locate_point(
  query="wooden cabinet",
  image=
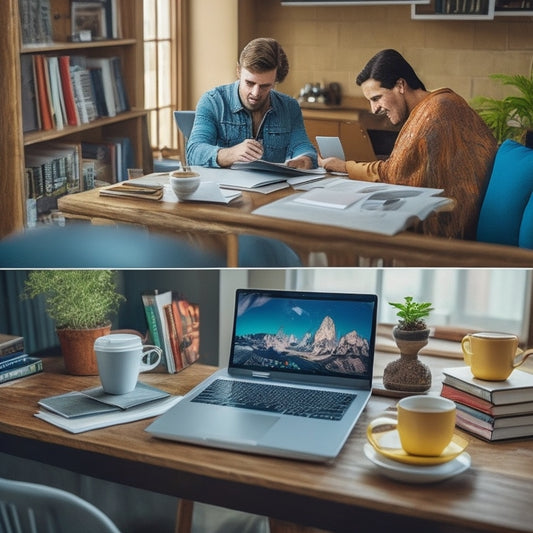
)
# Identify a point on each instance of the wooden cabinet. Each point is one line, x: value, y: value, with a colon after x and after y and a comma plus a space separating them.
x: 354, y: 127
x: 14, y: 142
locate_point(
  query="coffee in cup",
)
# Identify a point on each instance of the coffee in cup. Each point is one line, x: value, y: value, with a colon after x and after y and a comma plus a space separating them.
x: 426, y: 424
x: 492, y: 356
x: 120, y: 358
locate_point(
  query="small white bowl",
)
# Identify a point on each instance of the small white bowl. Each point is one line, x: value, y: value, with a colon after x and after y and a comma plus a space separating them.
x: 184, y: 183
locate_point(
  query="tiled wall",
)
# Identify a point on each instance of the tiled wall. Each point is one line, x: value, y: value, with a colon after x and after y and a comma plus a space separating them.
x: 333, y: 44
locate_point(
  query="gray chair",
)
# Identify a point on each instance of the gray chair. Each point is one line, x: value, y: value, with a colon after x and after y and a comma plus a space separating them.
x: 184, y: 121
x: 31, y: 508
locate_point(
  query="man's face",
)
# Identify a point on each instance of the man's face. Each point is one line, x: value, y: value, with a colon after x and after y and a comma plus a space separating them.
x: 255, y: 87
x: 390, y: 102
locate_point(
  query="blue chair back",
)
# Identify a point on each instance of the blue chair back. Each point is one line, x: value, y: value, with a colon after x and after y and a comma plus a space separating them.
x: 506, y: 215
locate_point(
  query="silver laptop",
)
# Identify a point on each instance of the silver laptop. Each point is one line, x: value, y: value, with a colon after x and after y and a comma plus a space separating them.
x: 330, y: 147
x: 299, y: 376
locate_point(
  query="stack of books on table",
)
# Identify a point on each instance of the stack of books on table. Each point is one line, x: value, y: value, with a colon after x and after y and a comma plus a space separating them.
x: 14, y: 361
x: 491, y: 410
x: 89, y: 409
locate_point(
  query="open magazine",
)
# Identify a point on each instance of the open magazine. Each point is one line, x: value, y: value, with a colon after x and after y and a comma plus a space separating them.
x: 278, y: 168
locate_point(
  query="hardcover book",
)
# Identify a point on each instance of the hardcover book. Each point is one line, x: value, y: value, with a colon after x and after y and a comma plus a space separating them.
x: 484, y: 406
x: 33, y: 365
x: 10, y: 344
x: 518, y: 387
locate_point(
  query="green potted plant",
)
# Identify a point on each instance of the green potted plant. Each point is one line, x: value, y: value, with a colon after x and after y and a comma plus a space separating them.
x: 411, y: 334
x: 510, y: 117
x: 81, y: 303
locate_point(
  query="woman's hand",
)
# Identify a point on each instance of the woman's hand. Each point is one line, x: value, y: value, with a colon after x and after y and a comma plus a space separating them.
x: 332, y: 164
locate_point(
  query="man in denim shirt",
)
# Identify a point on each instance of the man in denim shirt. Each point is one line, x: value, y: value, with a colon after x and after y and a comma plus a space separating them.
x: 248, y: 120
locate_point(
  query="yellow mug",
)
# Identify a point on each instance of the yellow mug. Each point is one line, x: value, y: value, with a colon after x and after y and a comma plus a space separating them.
x: 492, y: 356
x: 425, y: 425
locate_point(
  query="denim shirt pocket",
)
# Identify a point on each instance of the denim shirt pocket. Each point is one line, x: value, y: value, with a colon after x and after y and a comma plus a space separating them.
x: 232, y: 133
x: 276, y: 141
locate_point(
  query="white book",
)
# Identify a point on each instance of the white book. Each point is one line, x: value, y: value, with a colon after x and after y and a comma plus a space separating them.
x: 108, y: 80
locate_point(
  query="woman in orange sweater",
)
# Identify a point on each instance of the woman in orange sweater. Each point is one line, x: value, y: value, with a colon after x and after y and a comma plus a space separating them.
x: 443, y: 143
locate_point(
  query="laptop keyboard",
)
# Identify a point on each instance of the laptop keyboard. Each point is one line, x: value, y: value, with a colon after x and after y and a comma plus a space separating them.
x: 327, y: 405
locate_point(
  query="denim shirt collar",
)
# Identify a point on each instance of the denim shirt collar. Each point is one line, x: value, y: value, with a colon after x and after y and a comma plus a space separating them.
x: 236, y: 104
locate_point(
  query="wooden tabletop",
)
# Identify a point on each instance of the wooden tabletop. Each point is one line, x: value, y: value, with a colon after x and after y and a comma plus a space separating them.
x: 493, y: 495
x: 344, y: 247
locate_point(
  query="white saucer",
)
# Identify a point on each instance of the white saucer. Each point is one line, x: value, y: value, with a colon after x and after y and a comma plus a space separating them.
x: 415, y: 473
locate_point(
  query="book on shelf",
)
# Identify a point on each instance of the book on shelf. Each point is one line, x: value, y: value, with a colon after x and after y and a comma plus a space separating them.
x: 11, y: 344
x: 174, y: 323
x: 485, y: 406
x: 41, y: 80
x: 90, y: 409
x: 73, y: 117
x: 32, y: 365
x: 518, y: 387
x: 36, y: 21
x: 103, y: 154
x: 30, y: 110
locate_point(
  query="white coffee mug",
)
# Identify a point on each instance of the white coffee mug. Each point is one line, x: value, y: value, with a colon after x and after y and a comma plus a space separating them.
x: 120, y: 358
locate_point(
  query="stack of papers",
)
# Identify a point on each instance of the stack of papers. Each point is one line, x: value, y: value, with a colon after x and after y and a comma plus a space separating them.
x: 358, y: 205
x: 89, y: 409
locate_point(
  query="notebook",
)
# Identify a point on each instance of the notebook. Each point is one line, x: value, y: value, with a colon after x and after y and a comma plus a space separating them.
x: 289, y: 350
x: 330, y: 147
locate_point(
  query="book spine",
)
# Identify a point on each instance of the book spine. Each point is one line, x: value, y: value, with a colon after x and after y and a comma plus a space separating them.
x: 466, y: 399
x: 13, y: 362
x: 42, y: 92
x: 151, y: 321
x: 190, y: 320
x: 174, y: 336
x: 27, y: 370
x: 73, y: 118
x: 470, y: 388
x: 14, y: 347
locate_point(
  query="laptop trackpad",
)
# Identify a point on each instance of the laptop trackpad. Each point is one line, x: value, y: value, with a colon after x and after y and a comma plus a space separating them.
x: 238, y: 426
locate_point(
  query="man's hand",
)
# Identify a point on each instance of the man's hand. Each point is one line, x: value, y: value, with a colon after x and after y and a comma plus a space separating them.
x: 248, y: 150
x: 303, y: 161
x: 332, y: 164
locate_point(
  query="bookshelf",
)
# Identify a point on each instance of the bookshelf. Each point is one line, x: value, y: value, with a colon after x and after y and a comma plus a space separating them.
x: 471, y: 9
x: 14, y: 144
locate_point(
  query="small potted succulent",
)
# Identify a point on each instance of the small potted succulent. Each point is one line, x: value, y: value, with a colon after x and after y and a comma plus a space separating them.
x: 81, y: 302
x: 411, y: 334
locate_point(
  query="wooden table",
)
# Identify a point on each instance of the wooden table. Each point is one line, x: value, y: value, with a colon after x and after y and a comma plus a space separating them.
x: 344, y: 247
x: 347, y: 496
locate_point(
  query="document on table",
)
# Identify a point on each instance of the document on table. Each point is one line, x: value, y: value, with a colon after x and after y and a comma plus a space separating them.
x: 374, y: 207
x: 277, y: 168
x: 208, y: 191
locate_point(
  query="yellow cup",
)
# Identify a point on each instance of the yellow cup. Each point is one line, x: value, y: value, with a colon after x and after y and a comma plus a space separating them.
x: 425, y: 424
x: 492, y: 356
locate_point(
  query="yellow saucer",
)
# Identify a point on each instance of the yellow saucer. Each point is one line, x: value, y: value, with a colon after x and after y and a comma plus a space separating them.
x: 387, y: 443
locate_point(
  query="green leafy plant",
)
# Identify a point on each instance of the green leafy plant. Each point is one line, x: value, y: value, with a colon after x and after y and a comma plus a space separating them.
x: 411, y: 315
x: 510, y: 117
x: 76, y: 299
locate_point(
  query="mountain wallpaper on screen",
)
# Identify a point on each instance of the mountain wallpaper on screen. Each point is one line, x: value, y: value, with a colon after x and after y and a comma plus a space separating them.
x: 317, y: 351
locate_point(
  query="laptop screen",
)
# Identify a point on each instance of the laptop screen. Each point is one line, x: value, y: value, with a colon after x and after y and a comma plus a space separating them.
x: 308, y: 334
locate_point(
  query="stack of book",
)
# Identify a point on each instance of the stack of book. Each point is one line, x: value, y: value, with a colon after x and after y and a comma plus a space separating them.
x: 89, y: 409
x: 491, y: 410
x: 174, y: 326
x: 14, y: 361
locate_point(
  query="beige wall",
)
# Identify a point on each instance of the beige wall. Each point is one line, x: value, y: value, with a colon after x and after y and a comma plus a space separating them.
x: 333, y: 44
x: 214, y: 45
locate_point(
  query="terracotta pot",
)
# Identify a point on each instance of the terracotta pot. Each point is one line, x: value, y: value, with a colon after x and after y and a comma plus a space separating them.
x: 77, y: 347
x: 408, y: 373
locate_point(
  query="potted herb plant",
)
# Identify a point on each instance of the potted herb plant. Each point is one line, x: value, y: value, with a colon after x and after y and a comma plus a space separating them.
x: 411, y: 334
x: 510, y: 117
x: 81, y: 302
